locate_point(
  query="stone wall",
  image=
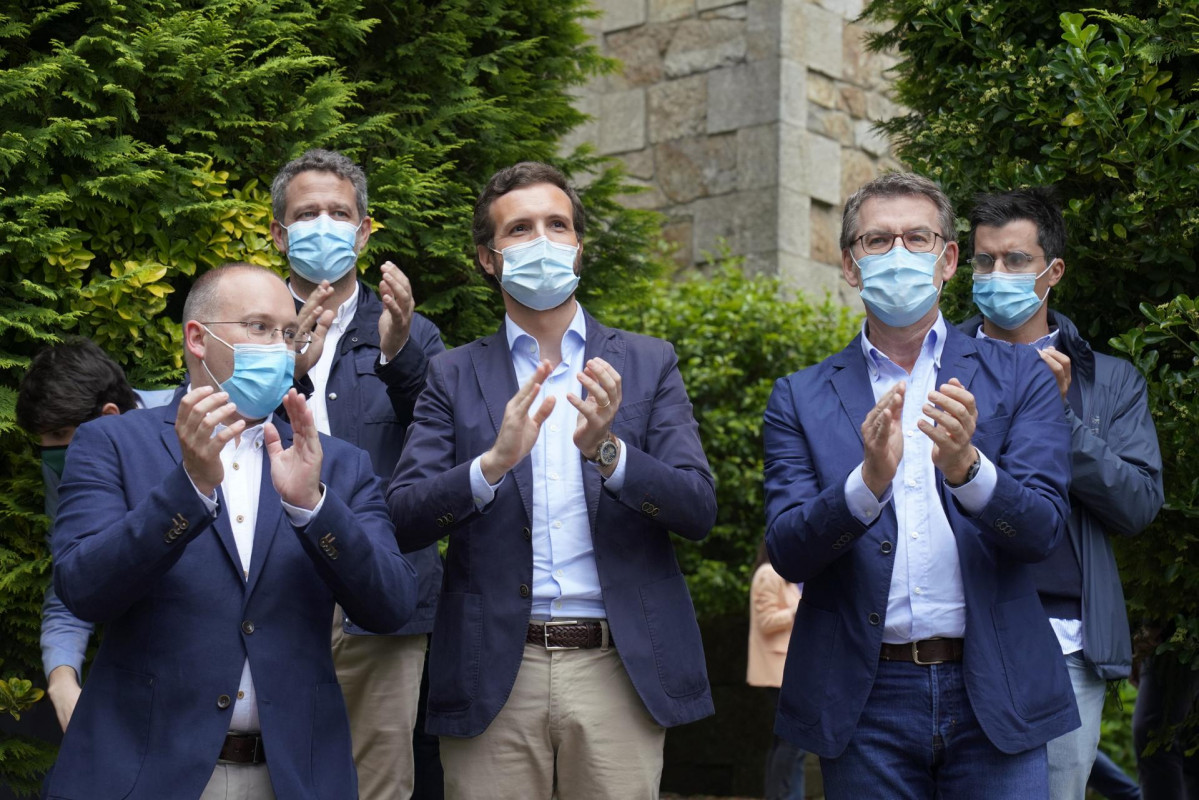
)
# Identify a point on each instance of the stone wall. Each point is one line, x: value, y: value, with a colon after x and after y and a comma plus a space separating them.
x: 744, y: 120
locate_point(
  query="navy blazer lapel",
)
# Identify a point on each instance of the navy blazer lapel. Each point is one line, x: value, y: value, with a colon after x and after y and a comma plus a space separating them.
x: 959, y: 358
x: 221, y: 523
x: 607, y: 344
x: 270, y: 511
x: 851, y: 381
x: 497, y: 385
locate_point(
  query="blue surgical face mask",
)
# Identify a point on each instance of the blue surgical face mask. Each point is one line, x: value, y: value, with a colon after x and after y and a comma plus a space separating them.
x: 1009, y: 300
x: 540, y: 274
x: 897, y: 286
x: 322, y: 249
x: 262, y: 374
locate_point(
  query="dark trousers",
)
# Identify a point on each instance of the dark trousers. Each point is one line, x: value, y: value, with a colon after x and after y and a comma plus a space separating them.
x: 1166, y: 694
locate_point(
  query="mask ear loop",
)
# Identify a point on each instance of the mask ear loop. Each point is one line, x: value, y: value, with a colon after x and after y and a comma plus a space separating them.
x: 204, y: 362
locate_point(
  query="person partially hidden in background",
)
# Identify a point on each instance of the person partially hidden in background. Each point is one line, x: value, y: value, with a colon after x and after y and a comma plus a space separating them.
x: 773, y: 602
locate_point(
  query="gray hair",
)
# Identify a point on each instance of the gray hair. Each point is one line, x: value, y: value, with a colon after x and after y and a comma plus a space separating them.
x: 317, y: 161
x: 896, y: 184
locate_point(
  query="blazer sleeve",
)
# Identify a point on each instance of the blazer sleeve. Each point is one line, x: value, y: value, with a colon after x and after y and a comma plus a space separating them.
x: 430, y: 491
x: 807, y: 526
x: 1026, y: 515
x: 108, y: 552
x: 352, y: 543
x: 1118, y: 477
x: 670, y: 475
x: 404, y: 375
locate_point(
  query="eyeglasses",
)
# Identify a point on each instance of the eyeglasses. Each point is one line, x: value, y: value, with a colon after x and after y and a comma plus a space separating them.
x: 918, y: 241
x: 1014, y: 261
x: 261, y: 333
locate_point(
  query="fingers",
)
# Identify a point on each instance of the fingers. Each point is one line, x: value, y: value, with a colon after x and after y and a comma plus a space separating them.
x: 544, y: 410
x: 602, y: 383
x: 395, y: 286
x: 887, y: 411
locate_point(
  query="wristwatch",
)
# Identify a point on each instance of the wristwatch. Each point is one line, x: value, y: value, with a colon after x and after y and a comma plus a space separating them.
x: 970, y: 473
x: 607, y: 453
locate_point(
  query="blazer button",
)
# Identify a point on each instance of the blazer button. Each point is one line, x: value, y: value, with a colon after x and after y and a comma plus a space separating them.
x: 528, y: 534
x: 874, y: 618
x: 886, y: 548
x: 524, y: 590
x: 332, y: 395
x: 223, y: 702
x: 247, y: 627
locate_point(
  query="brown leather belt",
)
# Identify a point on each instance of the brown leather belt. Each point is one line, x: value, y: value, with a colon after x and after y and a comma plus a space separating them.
x: 569, y: 634
x: 925, y: 651
x: 243, y: 748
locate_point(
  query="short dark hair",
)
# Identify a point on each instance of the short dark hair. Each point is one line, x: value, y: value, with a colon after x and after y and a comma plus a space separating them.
x: 318, y: 161
x: 897, y: 184
x: 1037, y: 205
x: 68, y: 384
x: 518, y: 176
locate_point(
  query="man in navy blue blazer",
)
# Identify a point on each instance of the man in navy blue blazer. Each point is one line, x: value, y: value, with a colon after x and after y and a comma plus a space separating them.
x: 212, y: 541
x: 910, y: 480
x: 558, y: 455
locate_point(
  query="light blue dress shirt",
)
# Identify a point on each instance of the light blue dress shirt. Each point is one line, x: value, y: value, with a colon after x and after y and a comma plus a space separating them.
x: 565, y: 580
x: 926, y: 598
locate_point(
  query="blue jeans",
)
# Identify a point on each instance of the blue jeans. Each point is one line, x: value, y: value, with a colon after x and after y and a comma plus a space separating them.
x: 918, y: 739
x: 1071, y: 755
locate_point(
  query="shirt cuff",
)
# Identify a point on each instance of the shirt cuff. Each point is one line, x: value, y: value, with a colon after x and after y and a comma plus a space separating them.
x: 481, y: 491
x: 383, y: 360
x: 862, y: 503
x: 301, y: 516
x: 974, y: 495
x: 210, y: 503
x: 615, y: 482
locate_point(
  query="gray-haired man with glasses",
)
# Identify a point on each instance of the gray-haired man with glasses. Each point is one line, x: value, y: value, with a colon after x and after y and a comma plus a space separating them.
x: 910, y: 478
x: 1019, y: 241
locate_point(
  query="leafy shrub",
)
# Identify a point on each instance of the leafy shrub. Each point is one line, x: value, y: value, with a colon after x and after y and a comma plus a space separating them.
x: 1012, y: 93
x: 734, y: 335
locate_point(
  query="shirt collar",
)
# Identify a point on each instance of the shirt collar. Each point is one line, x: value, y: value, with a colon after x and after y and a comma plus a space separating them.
x: 933, y: 346
x: 576, y: 330
x: 1048, y: 340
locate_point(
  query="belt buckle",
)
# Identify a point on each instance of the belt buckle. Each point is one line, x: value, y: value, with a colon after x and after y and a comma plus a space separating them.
x: 545, y: 633
x: 916, y: 657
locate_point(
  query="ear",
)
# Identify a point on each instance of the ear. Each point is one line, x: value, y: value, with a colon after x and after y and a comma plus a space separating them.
x: 950, y: 267
x: 849, y: 270
x: 109, y: 409
x: 489, y: 260
x: 364, y: 233
x: 194, y: 341
x: 579, y: 260
x: 1057, y: 270
x: 279, y: 234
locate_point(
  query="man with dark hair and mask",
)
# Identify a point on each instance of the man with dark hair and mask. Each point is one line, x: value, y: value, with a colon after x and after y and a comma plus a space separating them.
x: 362, y: 376
x: 558, y: 455
x: 910, y: 480
x: 212, y: 540
x: 67, y: 385
x: 1019, y: 242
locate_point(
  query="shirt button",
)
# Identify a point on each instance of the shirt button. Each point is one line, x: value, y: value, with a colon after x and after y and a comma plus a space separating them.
x: 236, y: 465
x: 911, y: 483
x: 559, y: 573
x: 332, y: 395
x: 918, y: 590
x: 240, y: 518
x: 911, y: 434
x: 553, y: 476
x: 241, y: 695
x: 915, y: 535
x: 557, y: 604
x: 554, y: 428
x: 557, y: 523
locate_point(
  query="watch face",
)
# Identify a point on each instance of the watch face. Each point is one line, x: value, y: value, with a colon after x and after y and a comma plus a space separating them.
x: 607, y: 454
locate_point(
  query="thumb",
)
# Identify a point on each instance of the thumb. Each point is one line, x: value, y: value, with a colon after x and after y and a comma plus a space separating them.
x: 270, y: 438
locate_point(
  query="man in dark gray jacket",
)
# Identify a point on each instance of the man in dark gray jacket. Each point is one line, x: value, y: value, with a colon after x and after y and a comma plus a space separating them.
x: 1019, y: 240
